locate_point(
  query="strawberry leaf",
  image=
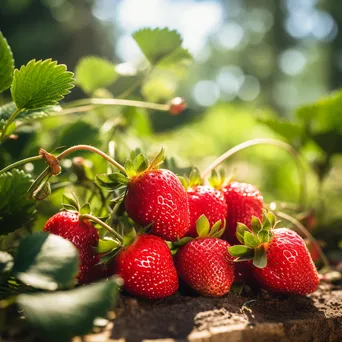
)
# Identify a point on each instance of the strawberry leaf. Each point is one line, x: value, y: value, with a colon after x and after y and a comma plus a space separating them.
x: 161, y: 45
x: 130, y: 169
x: 93, y: 72
x: 7, y: 110
x: 6, y: 64
x: 40, y: 83
x: 202, y: 226
x: 240, y: 231
x: 107, y: 245
x: 16, y: 210
x: 70, y: 201
x: 46, y: 261
x: 251, y: 240
x: 256, y: 225
x: 61, y: 315
x: 241, y: 251
x: 158, y: 159
x: 260, y: 257
x: 195, y: 177
x: 112, y: 180
x: 85, y: 209
x: 140, y: 163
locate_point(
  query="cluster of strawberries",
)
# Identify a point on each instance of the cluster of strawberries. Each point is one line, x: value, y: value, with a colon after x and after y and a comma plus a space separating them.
x: 206, y: 235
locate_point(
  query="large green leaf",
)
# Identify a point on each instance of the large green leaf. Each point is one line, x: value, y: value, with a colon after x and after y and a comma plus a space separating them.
x: 330, y: 142
x: 94, y: 72
x: 293, y: 132
x: 46, y: 261
x: 324, y: 115
x: 161, y: 45
x: 16, y: 210
x: 6, y: 64
x: 40, y: 84
x: 8, y: 109
x: 61, y: 315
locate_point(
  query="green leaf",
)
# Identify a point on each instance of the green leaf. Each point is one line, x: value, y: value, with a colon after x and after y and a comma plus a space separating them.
x: 183, y: 241
x: 184, y: 181
x: 6, y: 64
x: 260, y: 257
x: 39, y: 84
x: 159, y: 159
x: 61, y: 315
x: 6, y: 262
x: 161, y: 45
x: 272, y: 218
x: 112, y: 180
x: 8, y: 109
x: 195, y: 177
x: 93, y: 72
x: 330, y: 142
x: 107, y: 245
x: 85, y: 209
x: 70, y: 200
x: 129, y: 237
x: 240, y: 231
x: 16, y: 210
x: 46, y: 261
x: 202, y: 226
x: 215, y: 228
x: 130, y: 169
x: 264, y: 235
x: 251, y: 240
x: 256, y: 224
x: 293, y: 132
x: 241, y: 251
x: 140, y: 163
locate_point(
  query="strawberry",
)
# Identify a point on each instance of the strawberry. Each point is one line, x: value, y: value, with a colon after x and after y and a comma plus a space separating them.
x: 84, y: 236
x: 281, y: 261
x: 203, y: 200
x: 156, y: 196
x: 244, y: 201
x: 204, y: 263
x: 147, y: 268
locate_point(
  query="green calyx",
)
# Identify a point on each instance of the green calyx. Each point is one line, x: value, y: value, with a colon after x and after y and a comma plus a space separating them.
x: 218, y: 180
x: 256, y: 242
x: 203, y: 230
x: 134, y: 166
x: 71, y: 203
x: 194, y: 179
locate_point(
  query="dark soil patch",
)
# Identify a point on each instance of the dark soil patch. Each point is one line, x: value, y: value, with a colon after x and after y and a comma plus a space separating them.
x: 267, y: 317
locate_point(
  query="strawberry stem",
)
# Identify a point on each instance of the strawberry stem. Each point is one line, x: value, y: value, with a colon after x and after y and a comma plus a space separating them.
x: 307, y: 234
x: 118, y: 102
x: 47, y: 171
x: 265, y: 141
x: 102, y: 224
x: 20, y: 162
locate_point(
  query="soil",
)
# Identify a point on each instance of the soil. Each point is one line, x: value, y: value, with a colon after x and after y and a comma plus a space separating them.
x: 266, y: 317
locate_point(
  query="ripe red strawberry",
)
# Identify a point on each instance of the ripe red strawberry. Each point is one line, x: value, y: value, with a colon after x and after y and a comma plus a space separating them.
x: 205, y: 264
x: 147, y: 268
x: 158, y: 197
x: 205, y: 200
x: 290, y: 268
x: 84, y: 236
x: 281, y: 260
x: 244, y: 201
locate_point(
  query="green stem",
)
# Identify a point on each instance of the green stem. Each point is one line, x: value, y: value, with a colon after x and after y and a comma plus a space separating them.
x: 65, y: 153
x: 102, y: 224
x: 20, y: 162
x: 265, y: 141
x: 118, y: 102
x: 306, y: 233
x: 8, y: 123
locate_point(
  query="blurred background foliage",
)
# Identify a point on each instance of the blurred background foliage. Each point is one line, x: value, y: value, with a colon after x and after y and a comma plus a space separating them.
x: 254, y: 64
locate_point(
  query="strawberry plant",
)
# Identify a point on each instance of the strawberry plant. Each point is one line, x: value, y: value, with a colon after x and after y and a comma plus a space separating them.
x: 113, y: 218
